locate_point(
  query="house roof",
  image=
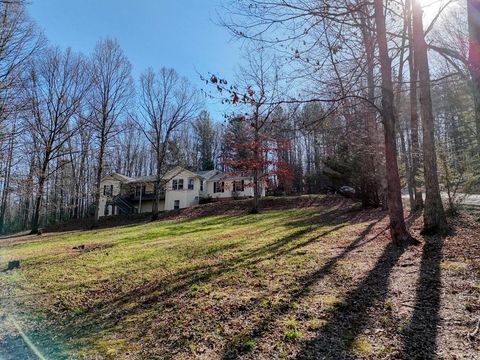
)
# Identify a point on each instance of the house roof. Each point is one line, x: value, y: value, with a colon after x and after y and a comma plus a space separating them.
x: 207, y: 175
x: 213, y: 175
x: 222, y: 176
x: 118, y: 177
x: 142, y: 179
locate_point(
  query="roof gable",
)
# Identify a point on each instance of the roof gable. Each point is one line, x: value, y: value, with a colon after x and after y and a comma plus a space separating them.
x: 117, y: 177
x: 176, y: 171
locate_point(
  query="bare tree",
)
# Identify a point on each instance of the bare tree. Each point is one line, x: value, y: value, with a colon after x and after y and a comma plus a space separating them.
x: 474, y: 59
x: 398, y: 229
x: 55, y: 89
x: 19, y: 41
x: 415, y: 148
x: 166, y: 102
x: 433, y: 215
x: 112, y: 90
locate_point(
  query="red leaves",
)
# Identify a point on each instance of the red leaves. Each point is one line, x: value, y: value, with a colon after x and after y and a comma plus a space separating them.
x: 235, y: 97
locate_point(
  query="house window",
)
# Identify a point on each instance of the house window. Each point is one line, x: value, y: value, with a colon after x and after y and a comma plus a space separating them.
x: 177, y: 184
x: 190, y: 184
x: 176, y: 204
x: 238, y: 185
x: 201, y: 185
x: 108, y: 190
x: 106, y: 209
x: 218, y: 187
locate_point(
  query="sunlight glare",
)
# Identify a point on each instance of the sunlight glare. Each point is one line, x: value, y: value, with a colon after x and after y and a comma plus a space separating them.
x: 431, y: 8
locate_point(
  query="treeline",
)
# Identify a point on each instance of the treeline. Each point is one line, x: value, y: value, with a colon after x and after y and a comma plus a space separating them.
x: 360, y: 94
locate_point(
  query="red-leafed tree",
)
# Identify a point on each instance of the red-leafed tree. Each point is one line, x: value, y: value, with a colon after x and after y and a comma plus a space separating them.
x: 251, y: 151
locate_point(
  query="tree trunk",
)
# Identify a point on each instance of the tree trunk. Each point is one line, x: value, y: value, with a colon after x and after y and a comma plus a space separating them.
x: 404, y: 155
x: 415, y: 148
x: 474, y: 59
x: 156, y: 190
x: 38, y: 202
x: 433, y: 215
x: 98, y: 179
x: 372, y: 165
x: 6, y: 183
x: 398, y: 229
x: 256, y: 155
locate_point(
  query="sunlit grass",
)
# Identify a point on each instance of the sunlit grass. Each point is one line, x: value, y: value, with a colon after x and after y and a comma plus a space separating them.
x: 197, y: 263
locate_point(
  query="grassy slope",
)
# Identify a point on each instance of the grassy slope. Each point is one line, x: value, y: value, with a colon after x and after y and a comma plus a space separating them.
x: 271, y: 285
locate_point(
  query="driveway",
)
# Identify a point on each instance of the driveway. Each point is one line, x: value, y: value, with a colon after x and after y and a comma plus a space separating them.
x: 464, y: 199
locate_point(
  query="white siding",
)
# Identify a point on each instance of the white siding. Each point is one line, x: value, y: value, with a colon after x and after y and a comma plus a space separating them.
x: 228, y: 189
x: 103, y: 199
x: 186, y: 197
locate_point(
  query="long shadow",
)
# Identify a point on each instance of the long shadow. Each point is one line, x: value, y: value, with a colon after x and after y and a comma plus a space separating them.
x: 420, y: 337
x: 109, y: 313
x: 233, y: 348
x: 348, y: 319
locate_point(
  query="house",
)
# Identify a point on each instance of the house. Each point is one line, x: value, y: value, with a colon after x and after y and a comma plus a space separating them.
x: 121, y: 194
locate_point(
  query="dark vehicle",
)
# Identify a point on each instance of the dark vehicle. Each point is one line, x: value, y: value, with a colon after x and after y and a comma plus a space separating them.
x: 347, y: 191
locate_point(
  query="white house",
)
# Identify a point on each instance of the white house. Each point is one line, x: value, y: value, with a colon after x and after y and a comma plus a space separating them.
x: 121, y: 194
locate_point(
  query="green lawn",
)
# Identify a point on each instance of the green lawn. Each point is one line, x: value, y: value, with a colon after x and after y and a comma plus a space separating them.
x: 249, y: 286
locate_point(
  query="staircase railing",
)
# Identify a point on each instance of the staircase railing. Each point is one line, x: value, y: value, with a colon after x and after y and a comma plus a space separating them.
x: 124, y: 205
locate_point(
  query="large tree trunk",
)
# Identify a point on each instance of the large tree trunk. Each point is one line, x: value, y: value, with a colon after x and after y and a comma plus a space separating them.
x: 156, y: 202
x: 6, y: 182
x: 98, y: 179
x: 433, y: 215
x: 398, y: 229
x: 415, y: 148
x: 474, y: 59
x: 256, y: 155
x: 42, y: 177
x: 404, y: 155
x: 372, y: 165
x: 38, y: 200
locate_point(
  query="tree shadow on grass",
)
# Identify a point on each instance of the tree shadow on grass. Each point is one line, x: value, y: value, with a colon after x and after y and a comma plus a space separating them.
x: 234, y: 348
x: 158, y: 294
x: 347, y: 320
x: 420, y: 336
x: 108, y: 313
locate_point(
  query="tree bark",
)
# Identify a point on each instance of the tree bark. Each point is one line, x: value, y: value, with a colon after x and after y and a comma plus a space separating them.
x: 433, y: 215
x: 474, y: 59
x: 38, y: 198
x: 415, y: 147
x: 256, y: 155
x: 6, y: 183
x: 98, y: 179
x: 156, y: 202
x: 398, y: 229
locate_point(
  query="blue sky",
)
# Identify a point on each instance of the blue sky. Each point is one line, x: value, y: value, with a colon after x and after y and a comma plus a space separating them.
x: 173, y: 33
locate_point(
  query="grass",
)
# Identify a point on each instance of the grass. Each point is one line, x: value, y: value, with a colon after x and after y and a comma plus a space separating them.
x: 125, y: 267
x: 361, y: 346
x: 212, y: 287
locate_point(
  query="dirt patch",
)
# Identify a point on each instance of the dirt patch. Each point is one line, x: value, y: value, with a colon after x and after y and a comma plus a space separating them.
x: 91, y: 247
